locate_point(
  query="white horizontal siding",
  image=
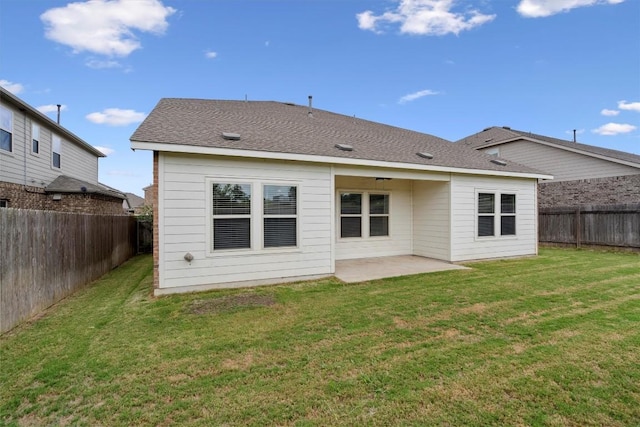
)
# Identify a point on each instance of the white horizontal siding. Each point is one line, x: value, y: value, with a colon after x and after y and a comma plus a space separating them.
x: 562, y: 164
x: 184, y: 222
x: 37, y: 170
x: 431, y: 220
x: 399, y: 241
x: 465, y: 245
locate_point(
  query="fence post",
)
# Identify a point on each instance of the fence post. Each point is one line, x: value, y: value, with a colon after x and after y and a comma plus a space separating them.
x: 578, y: 228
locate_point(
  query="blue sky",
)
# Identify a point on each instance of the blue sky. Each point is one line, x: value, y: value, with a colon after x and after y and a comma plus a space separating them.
x: 443, y: 67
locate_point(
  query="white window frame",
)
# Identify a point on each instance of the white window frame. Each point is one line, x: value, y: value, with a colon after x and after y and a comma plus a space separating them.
x: 212, y: 217
x: 35, y: 136
x: 365, y: 222
x: 55, y: 138
x: 7, y: 127
x: 264, y: 216
x: 257, y: 217
x: 497, y: 214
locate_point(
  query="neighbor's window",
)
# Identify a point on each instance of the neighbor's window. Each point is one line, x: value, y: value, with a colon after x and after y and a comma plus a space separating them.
x: 507, y: 214
x: 486, y: 214
x: 35, y: 138
x: 350, y: 215
x: 280, y: 215
x: 378, y: 214
x: 56, y: 148
x: 6, y: 129
x: 231, y: 216
x: 4, y: 203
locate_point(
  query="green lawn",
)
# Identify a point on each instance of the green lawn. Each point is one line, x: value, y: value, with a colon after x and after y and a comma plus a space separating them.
x: 552, y: 340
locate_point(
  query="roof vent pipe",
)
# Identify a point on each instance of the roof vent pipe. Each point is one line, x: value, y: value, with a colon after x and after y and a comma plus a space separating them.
x: 310, y: 113
x: 574, y: 135
x: 58, y: 105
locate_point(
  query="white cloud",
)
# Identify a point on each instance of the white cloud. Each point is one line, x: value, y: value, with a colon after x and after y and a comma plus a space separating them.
x: 413, y: 96
x: 116, y: 117
x: 105, y: 27
x: 210, y: 54
x: 606, y: 112
x: 14, y: 88
x: 542, y: 8
x: 630, y: 106
x: 98, y: 64
x: 50, y: 108
x: 614, y: 129
x: 424, y: 17
x: 105, y: 150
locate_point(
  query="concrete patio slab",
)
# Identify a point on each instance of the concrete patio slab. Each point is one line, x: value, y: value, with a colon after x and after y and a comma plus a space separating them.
x: 364, y: 269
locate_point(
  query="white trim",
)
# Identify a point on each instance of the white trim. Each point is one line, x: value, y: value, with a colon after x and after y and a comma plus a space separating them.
x: 161, y: 220
x: 193, y: 149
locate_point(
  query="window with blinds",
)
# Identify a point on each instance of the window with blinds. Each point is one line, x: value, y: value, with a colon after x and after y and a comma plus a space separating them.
x: 350, y: 215
x: 486, y: 214
x: 507, y: 214
x: 280, y: 216
x: 231, y: 211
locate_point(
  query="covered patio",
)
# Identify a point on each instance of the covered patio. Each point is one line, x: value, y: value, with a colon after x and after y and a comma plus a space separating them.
x: 365, y: 269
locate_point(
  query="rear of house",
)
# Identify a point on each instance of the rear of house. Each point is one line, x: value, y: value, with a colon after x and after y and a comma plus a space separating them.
x: 253, y: 193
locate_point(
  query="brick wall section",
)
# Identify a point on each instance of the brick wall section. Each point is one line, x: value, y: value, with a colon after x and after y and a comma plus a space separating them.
x: 597, y: 191
x: 28, y: 197
x: 156, y: 218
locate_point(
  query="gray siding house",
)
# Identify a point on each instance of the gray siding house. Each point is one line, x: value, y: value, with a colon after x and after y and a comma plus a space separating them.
x: 259, y: 192
x: 583, y: 174
x: 45, y: 166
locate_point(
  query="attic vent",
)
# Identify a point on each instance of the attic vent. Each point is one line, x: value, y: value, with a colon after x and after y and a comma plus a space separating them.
x: 506, y: 127
x: 488, y: 139
x: 486, y: 129
x: 424, y: 155
x: 499, y: 162
x: 231, y: 136
x: 344, y: 147
x: 289, y: 103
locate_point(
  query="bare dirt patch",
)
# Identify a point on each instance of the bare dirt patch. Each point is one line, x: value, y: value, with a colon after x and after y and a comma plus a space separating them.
x: 230, y: 303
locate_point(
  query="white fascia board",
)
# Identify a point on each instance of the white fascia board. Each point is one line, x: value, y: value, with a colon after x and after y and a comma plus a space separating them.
x: 560, y: 147
x: 228, y: 152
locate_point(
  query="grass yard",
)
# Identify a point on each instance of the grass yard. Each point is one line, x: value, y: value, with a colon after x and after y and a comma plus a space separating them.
x: 552, y: 340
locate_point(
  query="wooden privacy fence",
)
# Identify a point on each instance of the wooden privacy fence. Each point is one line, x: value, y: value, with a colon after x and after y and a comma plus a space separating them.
x: 608, y: 225
x: 46, y: 256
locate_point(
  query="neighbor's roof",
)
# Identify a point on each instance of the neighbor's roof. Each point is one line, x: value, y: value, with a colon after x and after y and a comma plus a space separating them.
x: 500, y: 135
x: 66, y: 184
x: 197, y: 125
x: 134, y: 200
x: 65, y: 133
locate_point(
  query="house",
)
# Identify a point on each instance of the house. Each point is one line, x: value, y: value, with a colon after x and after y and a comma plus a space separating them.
x: 583, y: 174
x: 45, y: 166
x: 132, y: 203
x: 261, y: 192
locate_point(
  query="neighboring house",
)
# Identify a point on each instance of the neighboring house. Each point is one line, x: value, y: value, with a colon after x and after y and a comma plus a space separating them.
x: 45, y: 166
x: 132, y: 203
x: 263, y: 192
x: 583, y: 174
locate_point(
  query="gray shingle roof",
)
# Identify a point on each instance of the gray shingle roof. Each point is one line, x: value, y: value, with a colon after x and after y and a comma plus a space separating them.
x: 66, y: 184
x: 134, y: 200
x: 497, y: 135
x: 277, y: 127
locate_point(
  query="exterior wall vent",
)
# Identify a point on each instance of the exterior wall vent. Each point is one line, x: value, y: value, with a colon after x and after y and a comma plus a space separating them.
x: 498, y: 162
x: 424, y: 155
x: 344, y: 147
x: 231, y: 136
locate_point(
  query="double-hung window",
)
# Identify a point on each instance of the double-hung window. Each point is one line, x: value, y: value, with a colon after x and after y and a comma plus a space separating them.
x: 378, y: 215
x: 56, y: 151
x: 496, y: 210
x: 280, y: 215
x: 231, y: 216
x: 351, y: 215
x: 35, y: 138
x: 6, y: 129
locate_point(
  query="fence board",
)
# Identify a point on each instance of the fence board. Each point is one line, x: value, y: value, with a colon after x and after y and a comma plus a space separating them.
x: 46, y: 256
x: 609, y: 225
